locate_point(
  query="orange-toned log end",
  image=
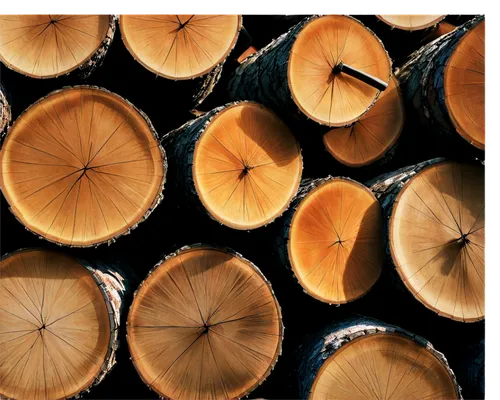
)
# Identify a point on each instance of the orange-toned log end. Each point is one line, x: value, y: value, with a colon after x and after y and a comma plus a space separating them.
x: 411, y: 22
x: 383, y: 366
x: 204, y: 325
x: 464, y: 87
x: 247, y: 166
x: 180, y: 46
x: 81, y: 167
x: 336, y: 246
x: 251, y: 50
x: 436, y: 236
x: 326, y: 96
x: 55, y: 331
x: 46, y: 46
x: 377, y: 131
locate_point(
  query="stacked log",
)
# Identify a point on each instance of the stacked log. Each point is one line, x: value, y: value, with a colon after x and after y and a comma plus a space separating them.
x: 81, y: 167
x: 434, y: 227
x: 48, y: 46
x: 331, y: 239
x: 204, y: 324
x: 239, y: 163
x: 60, y: 323
x: 190, y: 48
x: 365, y: 358
x: 5, y: 112
x: 332, y: 80
x: 444, y: 83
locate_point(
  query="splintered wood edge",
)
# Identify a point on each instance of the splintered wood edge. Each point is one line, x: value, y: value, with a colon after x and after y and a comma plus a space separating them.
x: 5, y: 113
x: 218, y: 64
x: 434, y: 22
x: 156, y: 201
x: 227, y: 250
x: 113, y: 315
x: 311, y: 187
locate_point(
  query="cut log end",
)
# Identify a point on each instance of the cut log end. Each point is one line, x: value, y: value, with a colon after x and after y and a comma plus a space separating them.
x: 318, y: 87
x: 377, y: 131
x: 247, y: 166
x: 436, y: 235
x: 464, y: 86
x: 180, y: 46
x: 335, y: 243
x: 47, y: 46
x: 411, y: 22
x: 56, y: 334
x: 204, y: 324
x: 384, y: 365
x: 82, y: 166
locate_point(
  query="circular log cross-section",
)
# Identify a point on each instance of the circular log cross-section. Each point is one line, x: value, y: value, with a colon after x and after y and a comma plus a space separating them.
x: 47, y: 46
x: 436, y: 237
x: 246, y: 164
x: 376, y: 361
x: 411, y: 22
x: 329, y: 69
x: 59, y: 324
x: 372, y: 137
x: 204, y: 324
x: 332, y: 240
x: 82, y: 166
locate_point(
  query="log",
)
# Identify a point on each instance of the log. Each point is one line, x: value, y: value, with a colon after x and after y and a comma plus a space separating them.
x: 5, y: 112
x: 444, y: 83
x: 443, y: 28
x: 82, y: 166
x: 434, y: 228
x: 238, y: 163
x: 411, y: 22
x: 472, y: 368
x: 48, y: 46
x: 204, y: 324
x: 190, y: 48
x: 331, y: 239
x: 304, y: 74
x: 364, y: 358
x: 374, y: 137
x: 60, y: 320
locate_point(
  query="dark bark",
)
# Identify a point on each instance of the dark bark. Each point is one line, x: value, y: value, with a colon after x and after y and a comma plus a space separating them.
x: 319, y: 347
x: 5, y: 113
x: 472, y: 368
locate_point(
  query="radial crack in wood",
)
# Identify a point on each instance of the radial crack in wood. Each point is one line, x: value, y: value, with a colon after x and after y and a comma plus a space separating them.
x: 204, y: 324
x: 82, y: 166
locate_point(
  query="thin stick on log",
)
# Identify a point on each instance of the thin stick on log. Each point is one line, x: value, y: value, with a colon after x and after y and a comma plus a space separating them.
x: 82, y: 166
x: 182, y: 47
x: 239, y: 163
x: 60, y: 322
x: 299, y: 74
x: 444, y: 83
x: 365, y: 358
x: 331, y: 239
x: 48, y: 46
x: 204, y: 324
x: 434, y: 214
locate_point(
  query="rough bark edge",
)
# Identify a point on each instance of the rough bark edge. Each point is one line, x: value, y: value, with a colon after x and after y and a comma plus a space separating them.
x: 430, y: 25
x: 291, y: 107
x: 333, y: 338
x: 87, y: 66
x: 111, y: 282
x: 181, y: 145
x: 5, y: 113
x: 156, y: 201
x: 283, y: 238
x: 200, y: 246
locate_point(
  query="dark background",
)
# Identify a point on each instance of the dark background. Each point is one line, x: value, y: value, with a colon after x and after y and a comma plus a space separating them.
x: 171, y: 225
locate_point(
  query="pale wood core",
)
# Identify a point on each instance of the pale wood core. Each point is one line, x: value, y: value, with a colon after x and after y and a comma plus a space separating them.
x: 46, y: 46
x: 373, y: 135
x: 411, y: 22
x: 180, y: 46
x: 247, y: 166
x: 81, y: 166
x: 327, y: 97
x: 383, y: 366
x: 54, y: 326
x: 464, y: 87
x: 437, y: 239
x: 336, y: 245
x: 204, y: 325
